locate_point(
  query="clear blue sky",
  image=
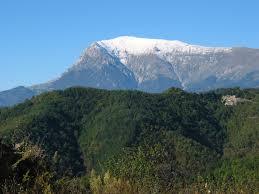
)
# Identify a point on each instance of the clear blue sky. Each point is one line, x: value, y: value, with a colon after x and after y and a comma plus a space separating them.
x: 40, y: 39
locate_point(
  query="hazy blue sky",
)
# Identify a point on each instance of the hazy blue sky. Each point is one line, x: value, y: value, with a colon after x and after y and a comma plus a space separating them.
x: 40, y: 39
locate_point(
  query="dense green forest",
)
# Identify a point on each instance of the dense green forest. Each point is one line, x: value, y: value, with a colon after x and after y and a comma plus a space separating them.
x: 96, y: 141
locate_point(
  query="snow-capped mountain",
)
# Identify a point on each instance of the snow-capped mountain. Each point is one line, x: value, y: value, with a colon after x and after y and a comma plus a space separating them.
x: 154, y: 65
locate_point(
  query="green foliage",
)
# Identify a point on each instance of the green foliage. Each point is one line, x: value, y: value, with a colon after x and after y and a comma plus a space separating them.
x: 150, y: 142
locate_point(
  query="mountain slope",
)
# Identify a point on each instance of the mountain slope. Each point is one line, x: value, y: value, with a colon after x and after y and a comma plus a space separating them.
x: 154, y: 65
x: 161, y: 142
x: 15, y: 95
x: 104, y: 122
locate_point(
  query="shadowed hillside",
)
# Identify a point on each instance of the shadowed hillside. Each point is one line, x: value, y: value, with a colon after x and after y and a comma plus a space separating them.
x: 144, y: 143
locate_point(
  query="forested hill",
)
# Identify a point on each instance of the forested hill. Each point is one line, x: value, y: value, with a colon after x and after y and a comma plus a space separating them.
x: 168, y: 142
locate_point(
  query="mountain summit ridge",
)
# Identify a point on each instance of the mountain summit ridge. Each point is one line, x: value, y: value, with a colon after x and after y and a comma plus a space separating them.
x: 135, y: 45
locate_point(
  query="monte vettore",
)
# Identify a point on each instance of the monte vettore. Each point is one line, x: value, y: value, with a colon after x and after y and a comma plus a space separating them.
x: 151, y: 65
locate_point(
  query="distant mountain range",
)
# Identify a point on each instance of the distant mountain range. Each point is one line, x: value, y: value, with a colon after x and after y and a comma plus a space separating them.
x: 151, y: 65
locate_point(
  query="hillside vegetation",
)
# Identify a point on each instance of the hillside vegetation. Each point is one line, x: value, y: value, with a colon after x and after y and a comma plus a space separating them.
x: 89, y: 140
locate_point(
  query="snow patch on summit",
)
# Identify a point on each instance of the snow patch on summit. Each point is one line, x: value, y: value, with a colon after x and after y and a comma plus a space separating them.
x: 127, y: 45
